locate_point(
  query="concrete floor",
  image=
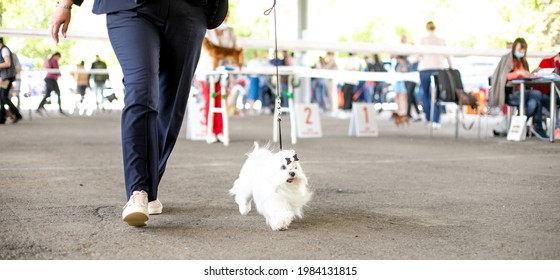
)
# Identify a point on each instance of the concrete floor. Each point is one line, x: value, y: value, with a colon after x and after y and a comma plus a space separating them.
x: 401, y: 195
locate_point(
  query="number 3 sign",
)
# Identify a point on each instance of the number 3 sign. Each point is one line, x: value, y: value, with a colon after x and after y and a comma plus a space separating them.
x: 196, y: 126
x: 308, y: 122
x: 363, y: 121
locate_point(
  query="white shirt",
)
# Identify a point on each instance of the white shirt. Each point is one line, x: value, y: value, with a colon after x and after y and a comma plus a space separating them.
x: 5, y: 53
x: 429, y: 61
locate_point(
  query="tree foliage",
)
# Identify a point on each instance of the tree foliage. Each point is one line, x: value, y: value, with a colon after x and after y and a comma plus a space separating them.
x: 31, y: 14
x: 550, y: 26
x: 536, y: 20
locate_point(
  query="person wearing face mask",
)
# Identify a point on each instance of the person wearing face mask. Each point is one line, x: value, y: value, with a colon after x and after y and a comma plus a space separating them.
x: 514, y: 66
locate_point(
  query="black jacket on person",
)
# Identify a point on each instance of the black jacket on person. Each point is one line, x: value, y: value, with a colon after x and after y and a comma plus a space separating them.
x: 216, y: 10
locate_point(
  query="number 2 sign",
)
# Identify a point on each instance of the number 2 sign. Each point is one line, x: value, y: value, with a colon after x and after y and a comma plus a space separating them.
x: 308, y: 121
x: 363, y: 121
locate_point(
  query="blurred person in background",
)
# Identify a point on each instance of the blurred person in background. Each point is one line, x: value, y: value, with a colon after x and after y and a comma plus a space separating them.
x: 99, y: 79
x: 255, y: 64
x: 400, y: 87
x: 427, y: 66
x: 412, y: 102
x: 82, y: 80
x: 8, y: 74
x: 319, y: 86
x: 380, y: 86
x: 349, y: 87
x: 513, y: 65
x: 51, y: 81
x: 331, y: 86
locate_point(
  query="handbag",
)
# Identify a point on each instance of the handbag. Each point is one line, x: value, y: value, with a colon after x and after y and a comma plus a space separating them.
x: 466, y: 98
x: 216, y: 11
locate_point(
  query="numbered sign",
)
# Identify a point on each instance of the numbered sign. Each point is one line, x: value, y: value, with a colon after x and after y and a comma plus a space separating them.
x: 363, y: 121
x: 518, y: 128
x: 196, y: 124
x: 308, y: 121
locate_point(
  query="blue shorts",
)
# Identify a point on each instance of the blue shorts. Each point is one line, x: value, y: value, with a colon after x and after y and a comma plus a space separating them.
x: 400, y: 87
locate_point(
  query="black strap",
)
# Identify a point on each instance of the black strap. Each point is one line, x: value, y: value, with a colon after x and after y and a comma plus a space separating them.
x: 470, y: 126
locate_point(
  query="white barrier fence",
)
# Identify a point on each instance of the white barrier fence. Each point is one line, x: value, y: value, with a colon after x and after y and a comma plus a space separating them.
x: 300, y: 45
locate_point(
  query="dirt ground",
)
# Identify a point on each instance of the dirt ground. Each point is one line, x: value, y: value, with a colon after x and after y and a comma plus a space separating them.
x: 402, y: 195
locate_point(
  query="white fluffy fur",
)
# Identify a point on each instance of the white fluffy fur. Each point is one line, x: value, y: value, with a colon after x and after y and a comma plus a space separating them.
x: 278, y: 189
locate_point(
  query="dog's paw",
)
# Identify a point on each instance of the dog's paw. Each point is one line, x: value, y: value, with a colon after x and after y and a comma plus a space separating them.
x: 280, y: 225
x: 244, y: 209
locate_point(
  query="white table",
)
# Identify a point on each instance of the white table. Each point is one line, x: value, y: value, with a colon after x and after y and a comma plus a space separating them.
x: 539, y: 82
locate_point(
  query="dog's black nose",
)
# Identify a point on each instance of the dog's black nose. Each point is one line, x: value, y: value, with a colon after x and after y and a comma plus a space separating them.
x: 292, y: 174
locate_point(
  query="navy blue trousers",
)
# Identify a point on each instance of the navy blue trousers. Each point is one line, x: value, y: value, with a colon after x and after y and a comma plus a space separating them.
x: 158, y: 46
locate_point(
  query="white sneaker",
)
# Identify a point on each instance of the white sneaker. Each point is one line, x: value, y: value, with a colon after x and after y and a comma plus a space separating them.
x: 155, y: 207
x: 135, y: 212
x: 210, y: 139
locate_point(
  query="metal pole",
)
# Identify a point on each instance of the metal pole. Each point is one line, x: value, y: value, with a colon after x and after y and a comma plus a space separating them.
x: 302, y: 18
x: 291, y: 110
x: 459, y: 107
x: 478, y: 114
x: 432, y: 102
x: 552, y: 112
x: 522, y: 99
x: 210, y: 120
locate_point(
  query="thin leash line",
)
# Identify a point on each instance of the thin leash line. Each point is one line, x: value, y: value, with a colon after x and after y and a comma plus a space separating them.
x: 278, y: 99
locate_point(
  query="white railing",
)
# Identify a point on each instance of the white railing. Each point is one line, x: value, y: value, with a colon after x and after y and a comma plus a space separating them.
x: 301, y: 45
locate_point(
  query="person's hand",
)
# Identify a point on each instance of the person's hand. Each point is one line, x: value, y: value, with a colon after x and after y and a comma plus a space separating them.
x: 60, y: 18
x: 523, y: 73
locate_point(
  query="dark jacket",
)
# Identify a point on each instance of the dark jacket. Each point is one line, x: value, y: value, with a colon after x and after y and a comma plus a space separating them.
x: 110, y: 6
x: 216, y: 10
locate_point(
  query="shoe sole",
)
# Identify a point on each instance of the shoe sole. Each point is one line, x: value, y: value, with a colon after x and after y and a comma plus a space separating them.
x: 155, y: 207
x: 534, y: 132
x: 155, y: 211
x: 136, y: 218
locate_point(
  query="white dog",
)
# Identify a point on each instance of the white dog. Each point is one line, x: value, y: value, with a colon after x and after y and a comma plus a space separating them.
x: 277, y: 184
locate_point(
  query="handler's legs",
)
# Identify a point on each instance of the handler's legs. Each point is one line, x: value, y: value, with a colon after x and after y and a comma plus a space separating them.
x: 158, y: 46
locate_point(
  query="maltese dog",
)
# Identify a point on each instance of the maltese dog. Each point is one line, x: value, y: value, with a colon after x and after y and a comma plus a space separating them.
x: 277, y: 184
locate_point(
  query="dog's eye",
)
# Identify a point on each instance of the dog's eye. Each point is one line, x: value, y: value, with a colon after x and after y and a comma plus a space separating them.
x: 283, y: 167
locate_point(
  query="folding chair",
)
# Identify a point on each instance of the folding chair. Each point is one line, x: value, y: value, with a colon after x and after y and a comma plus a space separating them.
x: 445, y: 84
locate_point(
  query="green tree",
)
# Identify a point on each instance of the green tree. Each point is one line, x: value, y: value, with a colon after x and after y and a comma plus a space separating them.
x: 550, y: 26
x: 31, y: 14
x: 257, y: 28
